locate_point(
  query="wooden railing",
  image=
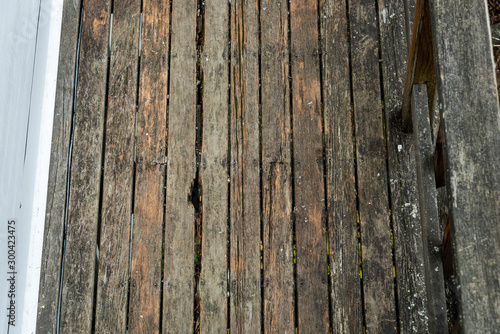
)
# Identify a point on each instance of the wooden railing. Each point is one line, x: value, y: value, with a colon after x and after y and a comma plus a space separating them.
x: 451, y: 105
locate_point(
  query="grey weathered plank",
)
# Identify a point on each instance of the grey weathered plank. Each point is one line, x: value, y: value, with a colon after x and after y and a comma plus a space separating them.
x: 380, y: 312
x: 431, y: 235
x: 341, y: 188
x: 145, y: 272
x: 407, y: 231
x: 276, y: 195
x: 178, y: 284
x: 312, y: 270
x: 85, y: 181
x: 48, y: 298
x: 245, y: 224
x: 471, y: 123
x: 117, y: 188
x: 212, y: 285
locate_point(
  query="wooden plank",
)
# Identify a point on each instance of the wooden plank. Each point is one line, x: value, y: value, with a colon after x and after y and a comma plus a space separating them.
x: 406, y: 221
x: 471, y: 132
x: 50, y: 275
x: 431, y: 235
x: 213, y: 169
x: 178, y: 285
x: 85, y: 181
x: 346, y: 300
x: 245, y: 225
x: 312, y: 270
x: 277, y: 240
x: 146, y: 267
x: 117, y: 188
x: 378, y: 281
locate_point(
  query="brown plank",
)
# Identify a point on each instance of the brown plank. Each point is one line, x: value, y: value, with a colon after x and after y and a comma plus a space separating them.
x: 406, y: 220
x: 245, y: 224
x: 145, y: 273
x: 343, y: 233
x: 312, y: 270
x: 471, y: 132
x: 380, y: 312
x: 277, y: 233
x: 178, y: 284
x: 114, y: 247
x: 50, y: 275
x: 431, y: 235
x: 212, y: 285
x: 85, y: 181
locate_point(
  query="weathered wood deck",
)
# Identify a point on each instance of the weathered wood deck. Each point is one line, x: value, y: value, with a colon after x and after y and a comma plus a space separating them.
x: 235, y: 166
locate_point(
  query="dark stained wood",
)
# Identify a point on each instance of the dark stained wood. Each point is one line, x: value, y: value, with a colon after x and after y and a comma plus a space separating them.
x: 431, y: 235
x: 471, y: 132
x: 48, y: 298
x: 406, y: 221
x: 276, y: 170
x: 378, y: 281
x: 343, y: 233
x: 245, y: 178
x: 312, y: 269
x: 213, y: 169
x: 117, y: 189
x: 145, y: 273
x: 83, y: 207
x: 178, y: 282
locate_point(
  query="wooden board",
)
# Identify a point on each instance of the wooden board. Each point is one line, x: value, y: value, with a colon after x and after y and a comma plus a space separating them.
x: 310, y: 218
x: 431, y: 234
x: 178, y: 282
x: 50, y: 275
x: 406, y: 221
x: 212, y: 284
x: 245, y: 264
x: 117, y: 184
x: 146, y: 257
x: 83, y: 207
x: 347, y: 311
x: 378, y: 281
x: 278, y: 297
x: 471, y: 132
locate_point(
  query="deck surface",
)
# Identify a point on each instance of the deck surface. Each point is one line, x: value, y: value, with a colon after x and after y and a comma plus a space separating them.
x: 232, y: 165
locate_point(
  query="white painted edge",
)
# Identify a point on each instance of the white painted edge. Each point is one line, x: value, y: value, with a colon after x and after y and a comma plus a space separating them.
x: 47, y: 87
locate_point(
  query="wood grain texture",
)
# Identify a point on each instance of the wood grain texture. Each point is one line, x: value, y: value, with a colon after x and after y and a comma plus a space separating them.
x: 341, y: 200
x: 83, y: 206
x: 213, y: 169
x: 117, y: 187
x: 431, y: 235
x: 178, y: 284
x: 277, y: 240
x: 378, y: 281
x: 312, y: 269
x: 470, y: 119
x: 245, y: 178
x: 406, y: 219
x: 50, y: 275
x: 145, y: 273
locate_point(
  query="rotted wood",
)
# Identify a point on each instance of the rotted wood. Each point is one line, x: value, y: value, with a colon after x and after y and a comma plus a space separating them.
x: 347, y: 311
x: 146, y: 257
x: 50, y: 275
x: 77, y: 304
x: 181, y: 192
x: 278, y: 299
x: 310, y: 216
x: 373, y: 197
